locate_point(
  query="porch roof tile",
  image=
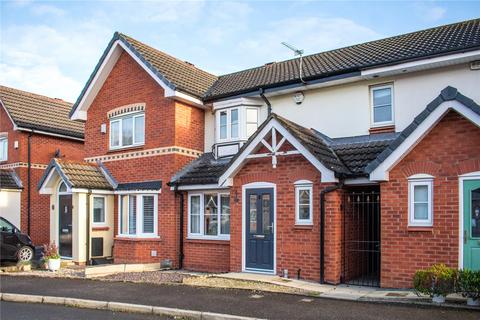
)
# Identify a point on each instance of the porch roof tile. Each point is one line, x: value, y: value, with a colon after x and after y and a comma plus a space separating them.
x: 9, y: 179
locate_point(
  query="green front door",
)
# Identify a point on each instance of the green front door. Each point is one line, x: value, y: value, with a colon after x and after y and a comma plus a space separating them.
x: 471, y: 223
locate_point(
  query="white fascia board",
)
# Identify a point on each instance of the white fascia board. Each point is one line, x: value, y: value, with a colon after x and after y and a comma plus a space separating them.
x: 327, y: 175
x: 359, y: 181
x: 92, y: 191
x: 11, y: 190
x: 101, y: 75
x: 138, y: 192
x: 381, y: 172
x: 423, y: 64
x: 105, y: 69
x: 9, y: 116
x: 200, y: 187
x: 46, y: 188
x: 237, y: 102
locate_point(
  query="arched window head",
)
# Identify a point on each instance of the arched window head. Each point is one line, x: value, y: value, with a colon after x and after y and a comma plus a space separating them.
x: 62, y: 188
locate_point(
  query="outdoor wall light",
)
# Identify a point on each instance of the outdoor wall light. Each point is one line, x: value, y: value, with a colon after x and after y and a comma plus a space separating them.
x: 103, y: 128
x: 298, y: 97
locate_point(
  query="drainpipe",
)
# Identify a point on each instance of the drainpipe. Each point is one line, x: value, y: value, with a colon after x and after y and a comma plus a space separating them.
x: 266, y: 101
x: 89, y: 260
x: 182, y: 214
x: 322, y: 227
x: 29, y: 181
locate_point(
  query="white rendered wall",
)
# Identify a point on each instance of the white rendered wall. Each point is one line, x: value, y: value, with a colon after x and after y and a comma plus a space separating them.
x: 10, y: 201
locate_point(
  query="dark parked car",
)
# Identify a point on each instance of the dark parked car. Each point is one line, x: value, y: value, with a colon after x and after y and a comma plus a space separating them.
x: 15, y: 245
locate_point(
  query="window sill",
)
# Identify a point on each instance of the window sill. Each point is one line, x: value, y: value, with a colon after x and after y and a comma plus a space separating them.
x: 222, y: 241
x: 303, y: 226
x: 420, y: 228
x: 100, y: 228
x: 135, y: 147
x: 208, y: 238
x: 127, y: 238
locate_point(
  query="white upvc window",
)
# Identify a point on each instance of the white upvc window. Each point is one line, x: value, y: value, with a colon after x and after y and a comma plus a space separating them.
x: 303, y: 202
x: 209, y: 215
x: 138, y: 215
x: 381, y: 101
x: 99, y: 210
x: 237, y: 123
x: 3, y: 148
x: 420, y: 201
x: 127, y: 131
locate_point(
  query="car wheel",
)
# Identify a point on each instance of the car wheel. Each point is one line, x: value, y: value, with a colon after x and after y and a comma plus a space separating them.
x: 25, y: 254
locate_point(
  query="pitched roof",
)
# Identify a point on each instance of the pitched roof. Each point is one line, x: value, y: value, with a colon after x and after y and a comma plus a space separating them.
x: 180, y: 74
x: 457, y: 37
x: 203, y: 170
x: 447, y: 94
x: 78, y: 174
x: 33, y: 111
x: 9, y: 179
x: 144, y: 185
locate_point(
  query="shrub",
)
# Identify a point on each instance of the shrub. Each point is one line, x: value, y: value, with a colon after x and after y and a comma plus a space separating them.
x: 468, y: 283
x: 50, y: 251
x: 436, y: 280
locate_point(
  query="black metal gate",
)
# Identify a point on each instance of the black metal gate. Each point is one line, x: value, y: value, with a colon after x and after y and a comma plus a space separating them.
x: 361, y: 234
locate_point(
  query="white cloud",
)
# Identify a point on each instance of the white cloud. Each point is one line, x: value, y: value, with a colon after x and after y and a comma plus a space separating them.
x: 46, y: 9
x: 429, y: 12
x: 313, y: 34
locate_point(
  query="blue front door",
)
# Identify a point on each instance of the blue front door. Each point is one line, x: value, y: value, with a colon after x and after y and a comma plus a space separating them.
x: 259, y: 229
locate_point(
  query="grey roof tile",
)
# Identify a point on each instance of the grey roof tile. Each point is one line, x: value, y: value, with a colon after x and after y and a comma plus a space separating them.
x: 9, y: 179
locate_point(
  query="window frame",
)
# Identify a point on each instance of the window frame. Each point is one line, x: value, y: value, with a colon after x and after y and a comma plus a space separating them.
x: 299, y: 186
x: 4, y: 140
x: 104, y: 222
x: 140, y: 215
x: 247, y: 123
x: 201, y: 234
x: 412, y: 183
x: 120, y: 119
x: 372, y: 106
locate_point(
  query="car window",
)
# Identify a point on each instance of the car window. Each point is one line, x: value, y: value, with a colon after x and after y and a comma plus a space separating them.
x: 6, y: 226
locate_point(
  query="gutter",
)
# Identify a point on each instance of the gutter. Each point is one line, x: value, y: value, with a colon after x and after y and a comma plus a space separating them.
x: 322, y: 227
x: 50, y: 134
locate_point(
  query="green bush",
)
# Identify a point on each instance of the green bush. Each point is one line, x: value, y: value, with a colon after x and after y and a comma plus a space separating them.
x: 436, y: 280
x: 468, y: 283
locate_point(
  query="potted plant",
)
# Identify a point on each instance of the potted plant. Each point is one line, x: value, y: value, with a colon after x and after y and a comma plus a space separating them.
x: 468, y: 284
x: 51, y: 256
x: 437, y: 282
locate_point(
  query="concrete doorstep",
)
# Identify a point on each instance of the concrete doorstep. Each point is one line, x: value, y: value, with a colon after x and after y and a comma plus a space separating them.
x: 119, y: 307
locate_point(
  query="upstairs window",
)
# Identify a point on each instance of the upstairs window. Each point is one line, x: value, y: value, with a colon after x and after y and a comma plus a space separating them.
x: 3, y: 149
x: 127, y: 131
x: 420, y: 209
x: 382, y: 105
x: 237, y: 123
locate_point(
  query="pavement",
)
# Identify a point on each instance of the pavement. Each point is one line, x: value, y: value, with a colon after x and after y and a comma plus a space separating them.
x: 227, y: 301
x: 30, y: 311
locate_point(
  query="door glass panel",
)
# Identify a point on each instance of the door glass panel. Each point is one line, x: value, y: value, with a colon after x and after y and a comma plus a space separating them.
x: 211, y: 215
x: 475, y: 225
x: 266, y: 213
x: 253, y: 213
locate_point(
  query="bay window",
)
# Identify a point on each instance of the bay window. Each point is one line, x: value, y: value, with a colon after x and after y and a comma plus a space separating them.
x: 209, y: 215
x: 138, y: 215
x: 128, y: 130
x: 237, y: 123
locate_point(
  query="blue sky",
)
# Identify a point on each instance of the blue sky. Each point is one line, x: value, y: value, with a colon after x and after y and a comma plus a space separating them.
x: 51, y: 47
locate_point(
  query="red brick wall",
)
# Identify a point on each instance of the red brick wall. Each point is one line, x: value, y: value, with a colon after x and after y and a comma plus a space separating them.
x: 298, y: 247
x: 167, y: 123
x: 43, y: 148
x: 450, y: 149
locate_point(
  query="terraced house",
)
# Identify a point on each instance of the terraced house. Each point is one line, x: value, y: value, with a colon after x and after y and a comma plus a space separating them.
x: 33, y: 130
x: 361, y: 167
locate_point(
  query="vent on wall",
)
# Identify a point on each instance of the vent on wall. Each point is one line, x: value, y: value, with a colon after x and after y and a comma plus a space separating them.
x: 475, y: 65
x: 97, y: 247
